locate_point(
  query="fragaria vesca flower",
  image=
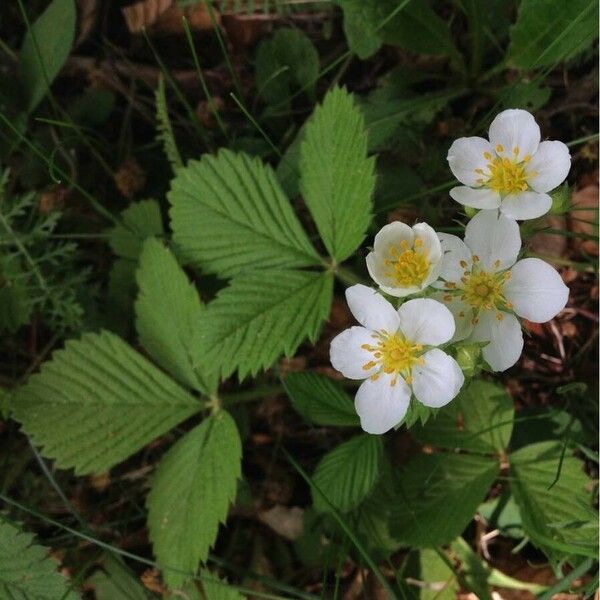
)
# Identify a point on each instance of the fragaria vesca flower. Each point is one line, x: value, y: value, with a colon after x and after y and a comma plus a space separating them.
x: 486, y: 288
x: 405, y: 260
x: 513, y: 171
x: 395, y: 352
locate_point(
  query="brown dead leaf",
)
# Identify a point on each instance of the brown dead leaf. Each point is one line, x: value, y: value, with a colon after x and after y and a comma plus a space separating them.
x: 87, y: 11
x: 130, y: 178
x: 584, y: 219
x: 242, y: 31
x: 150, y: 579
x: 164, y: 16
x: 551, y: 244
x: 286, y: 521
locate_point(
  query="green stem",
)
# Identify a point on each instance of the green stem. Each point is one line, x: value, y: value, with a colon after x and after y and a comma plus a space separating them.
x: 256, y: 393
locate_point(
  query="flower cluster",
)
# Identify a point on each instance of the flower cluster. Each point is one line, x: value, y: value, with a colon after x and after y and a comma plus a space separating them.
x: 473, y: 290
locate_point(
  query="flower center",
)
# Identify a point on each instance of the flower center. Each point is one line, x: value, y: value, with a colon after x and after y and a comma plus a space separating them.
x: 483, y: 290
x: 393, y: 354
x: 505, y: 175
x: 407, y: 266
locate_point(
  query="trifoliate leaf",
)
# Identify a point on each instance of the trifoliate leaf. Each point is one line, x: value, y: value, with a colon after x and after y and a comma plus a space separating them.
x: 437, y: 495
x: 543, y: 37
x: 190, y: 496
x: 97, y: 402
x: 141, y: 220
x: 320, y: 400
x: 228, y: 214
x: 26, y: 570
x: 262, y: 315
x: 557, y: 515
x: 479, y: 419
x: 346, y: 474
x: 337, y: 178
x: 287, y: 59
x: 45, y: 50
x: 169, y: 316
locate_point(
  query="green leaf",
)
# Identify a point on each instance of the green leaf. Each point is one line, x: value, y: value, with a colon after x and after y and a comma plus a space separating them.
x: 164, y: 129
x: 97, y: 402
x: 288, y: 168
x: 116, y: 582
x: 346, y: 474
x: 337, y: 178
x: 228, y: 215
x: 416, y: 27
x: 437, y: 495
x: 261, y: 315
x: 15, y: 305
x: 170, y: 316
x: 140, y: 221
x: 547, y: 33
x: 479, y: 419
x: 287, y: 59
x: 320, y: 400
x: 216, y: 588
x: 558, y: 518
x: 440, y: 579
x: 190, y: 496
x: 528, y: 95
x: 45, y: 49
x: 361, y: 26
x: 26, y: 570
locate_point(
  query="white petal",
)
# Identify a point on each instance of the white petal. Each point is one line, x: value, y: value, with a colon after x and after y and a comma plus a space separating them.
x: 431, y: 243
x: 371, y: 309
x: 550, y: 166
x: 536, y: 290
x: 493, y: 237
x: 391, y: 235
x: 455, y: 252
x: 348, y: 357
x: 505, y: 337
x: 476, y: 198
x: 515, y: 129
x: 466, y: 155
x: 463, y: 315
x: 376, y: 268
x: 525, y: 205
x: 438, y: 380
x: 381, y: 405
x: 426, y: 321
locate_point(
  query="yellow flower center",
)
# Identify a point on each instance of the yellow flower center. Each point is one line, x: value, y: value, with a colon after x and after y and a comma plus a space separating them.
x: 505, y: 175
x: 482, y: 290
x: 407, y: 266
x: 394, y: 355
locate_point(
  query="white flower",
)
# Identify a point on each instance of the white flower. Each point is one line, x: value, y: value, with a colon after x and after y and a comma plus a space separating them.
x: 394, y: 351
x: 485, y: 289
x: 405, y: 260
x: 512, y: 171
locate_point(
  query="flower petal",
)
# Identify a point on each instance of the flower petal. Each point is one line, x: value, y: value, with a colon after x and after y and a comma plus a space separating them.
x: 455, y: 253
x: 550, y: 166
x: 525, y: 205
x: 430, y: 242
x: 391, y: 235
x: 467, y: 154
x: 505, y: 337
x: 476, y: 198
x: 515, y: 129
x: 371, y: 309
x: 381, y: 405
x: 536, y: 290
x: 426, y: 321
x: 461, y: 311
x: 347, y: 355
x: 493, y: 237
x: 438, y: 380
